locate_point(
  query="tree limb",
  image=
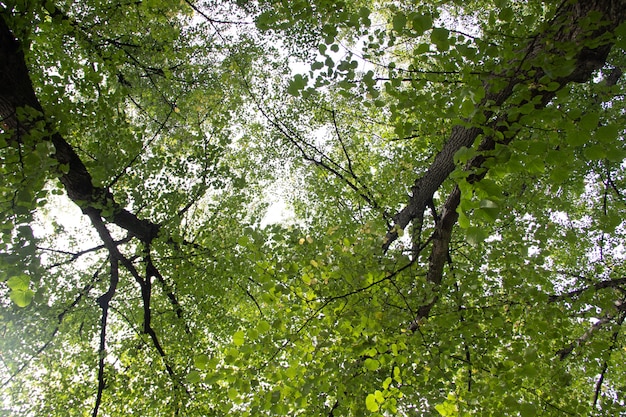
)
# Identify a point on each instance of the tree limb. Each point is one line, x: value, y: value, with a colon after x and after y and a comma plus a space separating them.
x: 16, y: 91
x: 609, y: 283
x: 566, y: 351
x: 605, y: 365
x: 562, y: 31
x: 104, y: 300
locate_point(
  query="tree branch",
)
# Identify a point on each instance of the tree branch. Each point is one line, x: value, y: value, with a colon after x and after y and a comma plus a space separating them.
x: 439, y: 253
x: 605, y: 365
x: 16, y: 91
x: 563, y: 30
x: 152, y: 271
x: 75, y: 255
x: 104, y: 300
x: 566, y: 351
x: 609, y: 283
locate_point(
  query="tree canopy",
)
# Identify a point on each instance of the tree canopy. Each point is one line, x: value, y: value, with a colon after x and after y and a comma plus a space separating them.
x: 453, y: 190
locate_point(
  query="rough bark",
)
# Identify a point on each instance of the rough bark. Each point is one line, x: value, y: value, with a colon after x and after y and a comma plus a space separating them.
x: 563, y: 31
x: 16, y: 91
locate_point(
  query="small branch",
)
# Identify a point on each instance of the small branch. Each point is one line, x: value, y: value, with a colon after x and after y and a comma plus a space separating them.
x: 249, y: 294
x: 431, y: 205
x: 609, y: 283
x: 333, y: 408
x: 614, y: 187
x: 75, y: 255
x: 387, y: 277
x: 566, y: 351
x: 596, y: 394
x: 153, y: 271
x: 605, y: 365
x: 213, y: 21
x: 343, y: 146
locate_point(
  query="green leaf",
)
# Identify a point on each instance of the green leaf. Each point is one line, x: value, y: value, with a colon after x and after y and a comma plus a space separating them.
x: 371, y: 364
x: 595, y: 152
x: 528, y: 410
x: 475, y: 235
x: 487, y: 203
x: 399, y: 22
x: 22, y: 298
x: 464, y: 154
x: 464, y: 221
x: 253, y: 334
x: 239, y: 338
x: 263, y: 326
x: 264, y: 20
x: 467, y: 108
x: 243, y: 240
x: 607, y: 134
x: 447, y: 409
x: 19, y: 282
x: 201, y: 361
x: 371, y: 404
x: 193, y: 377
x: 506, y: 14
x: 608, y: 224
x: 317, y: 65
x: 297, y: 83
x: 421, y: 23
x: 440, y: 37
x: 589, y: 121
x: 497, y: 322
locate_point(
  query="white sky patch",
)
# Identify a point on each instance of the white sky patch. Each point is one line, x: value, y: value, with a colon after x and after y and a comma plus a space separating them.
x: 62, y: 228
x: 278, y: 212
x: 63, y: 215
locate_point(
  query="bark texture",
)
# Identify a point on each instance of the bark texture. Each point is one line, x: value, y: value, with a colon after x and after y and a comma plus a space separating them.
x: 561, y: 34
x: 16, y: 91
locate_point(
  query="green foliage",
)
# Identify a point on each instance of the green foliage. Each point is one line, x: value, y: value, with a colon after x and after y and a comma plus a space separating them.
x: 189, y: 120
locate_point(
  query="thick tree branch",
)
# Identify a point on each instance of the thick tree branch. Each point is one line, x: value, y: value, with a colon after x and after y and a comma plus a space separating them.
x: 144, y: 284
x: 439, y: 253
x: 587, y: 61
x: 104, y: 301
x: 562, y: 32
x: 16, y: 92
